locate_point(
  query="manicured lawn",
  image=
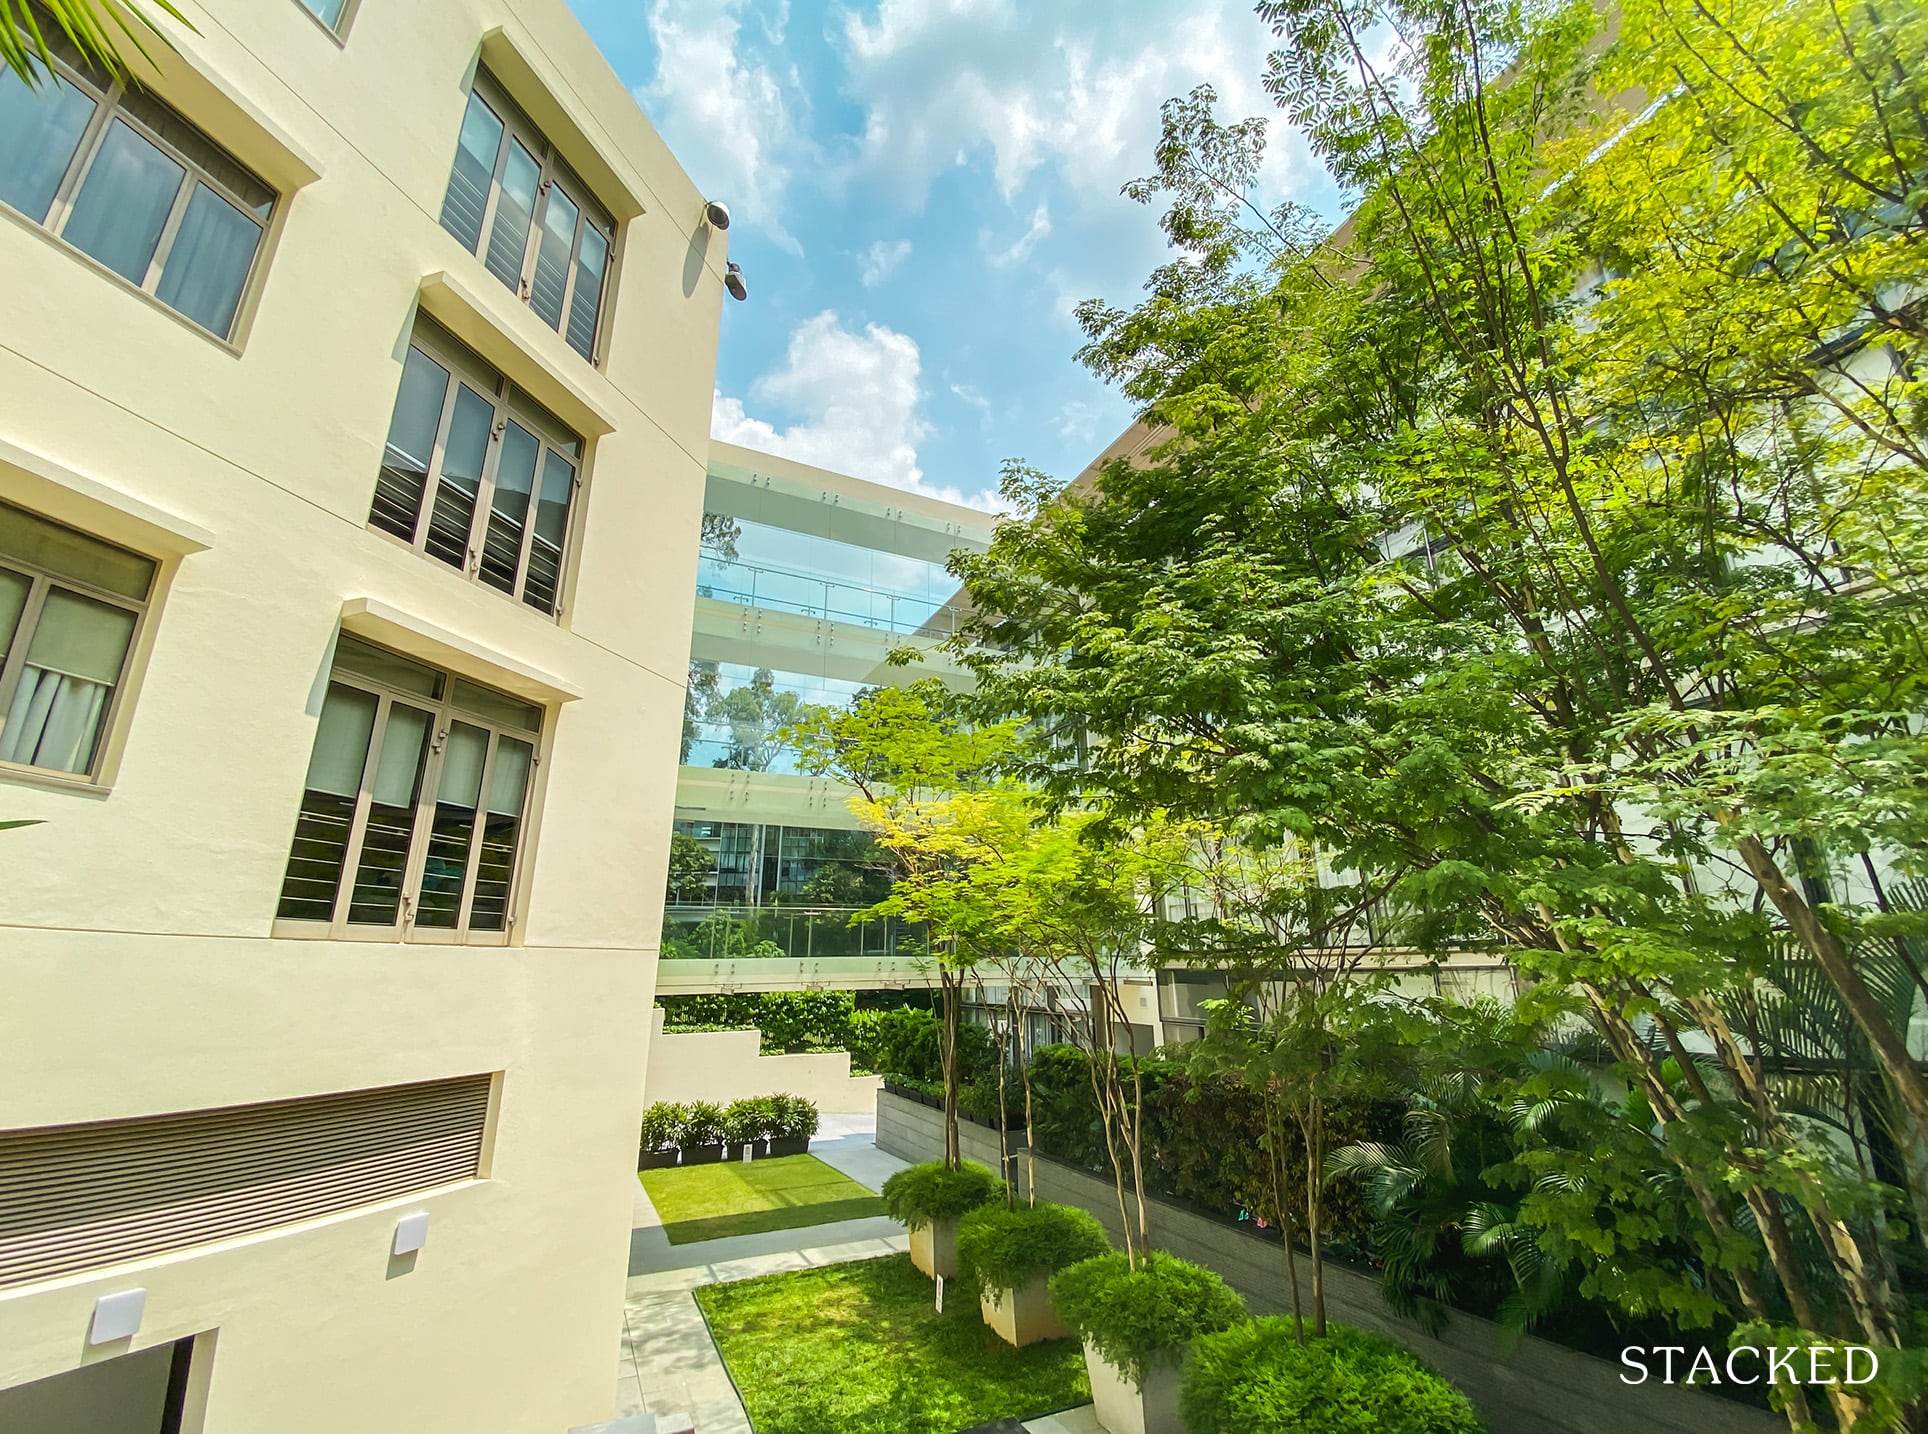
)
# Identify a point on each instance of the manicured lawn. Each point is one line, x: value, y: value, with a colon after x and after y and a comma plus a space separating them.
x: 707, y: 1202
x: 858, y: 1349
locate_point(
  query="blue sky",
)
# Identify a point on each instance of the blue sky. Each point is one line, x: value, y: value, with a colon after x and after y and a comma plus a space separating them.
x: 921, y: 191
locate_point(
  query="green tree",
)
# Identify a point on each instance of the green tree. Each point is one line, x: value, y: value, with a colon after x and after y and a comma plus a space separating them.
x: 691, y: 867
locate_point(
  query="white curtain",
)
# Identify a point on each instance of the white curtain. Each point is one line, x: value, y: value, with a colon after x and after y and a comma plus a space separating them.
x: 54, y: 721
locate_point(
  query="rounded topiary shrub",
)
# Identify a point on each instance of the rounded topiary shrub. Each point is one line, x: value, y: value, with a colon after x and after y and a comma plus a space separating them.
x: 1257, y: 1379
x: 1000, y: 1249
x: 921, y: 1194
x: 1134, y: 1317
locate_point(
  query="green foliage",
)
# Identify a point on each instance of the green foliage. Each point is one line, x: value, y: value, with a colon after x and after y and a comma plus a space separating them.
x: 702, y: 1124
x: 789, y: 1020
x: 792, y: 1117
x: 859, y: 1349
x: 690, y: 868
x: 1257, y: 1378
x: 750, y: 1120
x: 921, y: 1194
x: 662, y: 1126
x: 1137, y: 1317
x: 908, y: 1042
x: 104, y: 31
x: 1002, y: 1249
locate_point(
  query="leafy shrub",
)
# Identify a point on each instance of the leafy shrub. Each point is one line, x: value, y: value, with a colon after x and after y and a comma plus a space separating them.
x: 748, y: 1120
x: 662, y: 1127
x: 921, y: 1194
x: 909, y: 1042
x: 1002, y: 1249
x: 788, y: 1020
x: 1255, y: 1378
x: 1133, y: 1317
x: 702, y: 1125
x: 792, y: 1117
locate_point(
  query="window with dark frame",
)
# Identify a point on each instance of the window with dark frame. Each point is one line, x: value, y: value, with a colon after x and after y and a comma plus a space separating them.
x: 70, y: 607
x: 514, y: 203
x: 475, y: 474
x: 414, y: 809
x: 141, y: 191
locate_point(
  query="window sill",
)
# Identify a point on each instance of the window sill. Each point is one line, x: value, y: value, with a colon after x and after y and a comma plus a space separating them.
x: 69, y: 783
x: 413, y: 637
x: 533, y: 85
x: 530, y: 354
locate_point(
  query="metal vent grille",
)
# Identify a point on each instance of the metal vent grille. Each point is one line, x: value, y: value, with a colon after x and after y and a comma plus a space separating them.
x: 73, y: 1197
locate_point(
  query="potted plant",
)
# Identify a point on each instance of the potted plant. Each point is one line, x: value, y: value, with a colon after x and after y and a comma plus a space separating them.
x: 794, y: 1121
x: 662, y: 1132
x: 1259, y: 1378
x: 928, y: 1200
x: 702, y: 1142
x: 1011, y: 1256
x: 1137, y: 1324
x: 744, y: 1128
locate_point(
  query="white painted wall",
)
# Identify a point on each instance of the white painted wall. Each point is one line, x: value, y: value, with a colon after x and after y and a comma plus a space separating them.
x: 723, y: 1066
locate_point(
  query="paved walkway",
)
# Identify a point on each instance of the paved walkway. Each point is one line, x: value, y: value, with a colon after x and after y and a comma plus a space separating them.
x: 669, y: 1364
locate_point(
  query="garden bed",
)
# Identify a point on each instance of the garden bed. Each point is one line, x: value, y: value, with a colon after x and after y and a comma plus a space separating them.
x: 710, y: 1202
x: 859, y: 1349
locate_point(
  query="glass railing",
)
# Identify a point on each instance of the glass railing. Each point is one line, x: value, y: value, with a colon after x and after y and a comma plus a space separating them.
x: 719, y: 933
x: 786, y: 591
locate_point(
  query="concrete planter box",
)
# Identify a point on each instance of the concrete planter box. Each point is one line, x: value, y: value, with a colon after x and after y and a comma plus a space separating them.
x: 785, y: 1145
x: 703, y: 1154
x: 655, y: 1159
x: 933, y: 1247
x: 1024, y: 1315
x: 1123, y: 1409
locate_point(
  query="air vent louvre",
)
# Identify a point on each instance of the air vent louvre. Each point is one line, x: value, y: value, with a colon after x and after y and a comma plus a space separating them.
x: 74, y: 1197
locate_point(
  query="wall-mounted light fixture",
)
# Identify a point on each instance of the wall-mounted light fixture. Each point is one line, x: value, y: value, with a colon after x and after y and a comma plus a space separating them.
x: 411, y: 1233
x: 733, y: 281
x: 718, y: 214
x: 117, y: 1316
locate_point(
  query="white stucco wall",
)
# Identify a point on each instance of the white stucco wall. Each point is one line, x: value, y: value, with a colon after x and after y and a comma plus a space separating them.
x: 723, y: 1066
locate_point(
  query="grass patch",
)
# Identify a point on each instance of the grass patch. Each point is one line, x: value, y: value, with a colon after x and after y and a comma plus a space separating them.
x: 708, y: 1202
x: 859, y: 1349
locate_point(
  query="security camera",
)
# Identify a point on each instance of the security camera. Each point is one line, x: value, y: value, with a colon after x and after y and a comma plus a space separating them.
x: 718, y: 213
x: 733, y: 281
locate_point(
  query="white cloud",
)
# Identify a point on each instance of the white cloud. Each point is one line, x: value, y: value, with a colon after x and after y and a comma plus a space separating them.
x: 877, y: 263
x: 737, y: 122
x: 1077, y: 421
x: 974, y: 396
x: 942, y: 79
x: 1018, y: 252
x: 858, y: 397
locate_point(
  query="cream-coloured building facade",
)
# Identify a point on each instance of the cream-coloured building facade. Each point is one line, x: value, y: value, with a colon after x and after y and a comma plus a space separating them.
x: 356, y: 385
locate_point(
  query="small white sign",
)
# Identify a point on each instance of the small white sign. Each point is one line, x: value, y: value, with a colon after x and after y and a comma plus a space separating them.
x: 411, y: 1233
x: 117, y: 1316
x: 940, y: 1294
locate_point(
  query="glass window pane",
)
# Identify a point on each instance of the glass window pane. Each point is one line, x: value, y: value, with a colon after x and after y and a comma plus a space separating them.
x: 559, y: 217
x: 544, y: 582
x: 70, y: 554
x: 394, y: 791
x: 123, y: 202
x: 14, y: 588
x: 208, y: 263
x: 453, y: 515
x: 501, y: 832
x: 515, y: 473
x: 326, y: 11
x: 354, y: 655
x: 497, y: 707
x: 591, y: 261
x: 335, y: 767
x: 509, y: 239
x: 468, y: 194
x: 43, y: 128
x: 73, y: 664
x: 453, y: 830
x: 411, y: 446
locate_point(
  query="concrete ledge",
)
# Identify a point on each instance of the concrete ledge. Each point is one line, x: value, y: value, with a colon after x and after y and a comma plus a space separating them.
x: 1535, y: 1388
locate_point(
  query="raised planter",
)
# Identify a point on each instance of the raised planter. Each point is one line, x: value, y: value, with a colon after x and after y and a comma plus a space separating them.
x: 703, y: 1154
x: 784, y: 1145
x: 1124, y: 1409
x: 933, y: 1247
x: 655, y: 1159
x: 1024, y: 1315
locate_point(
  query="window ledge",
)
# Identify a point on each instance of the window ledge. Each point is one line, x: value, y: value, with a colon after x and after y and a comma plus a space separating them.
x: 191, y: 85
x: 534, y: 85
x: 413, y: 637
x: 503, y: 330
x: 83, y: 501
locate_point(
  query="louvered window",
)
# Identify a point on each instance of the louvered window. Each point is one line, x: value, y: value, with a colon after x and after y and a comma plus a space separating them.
x: 131, y: 184
x: 414, y: 808
x: 517, y: 206
x: 476, y: 475
x: 76, y: 1197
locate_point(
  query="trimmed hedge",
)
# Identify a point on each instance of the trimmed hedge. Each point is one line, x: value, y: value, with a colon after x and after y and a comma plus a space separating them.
x: 1003, y: 1249
x: 1134, y: 1317
x: 1256, y: 1378
x: 921, y: 1194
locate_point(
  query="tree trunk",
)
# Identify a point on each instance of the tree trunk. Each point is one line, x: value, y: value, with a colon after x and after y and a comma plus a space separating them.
x: 950, y: 984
